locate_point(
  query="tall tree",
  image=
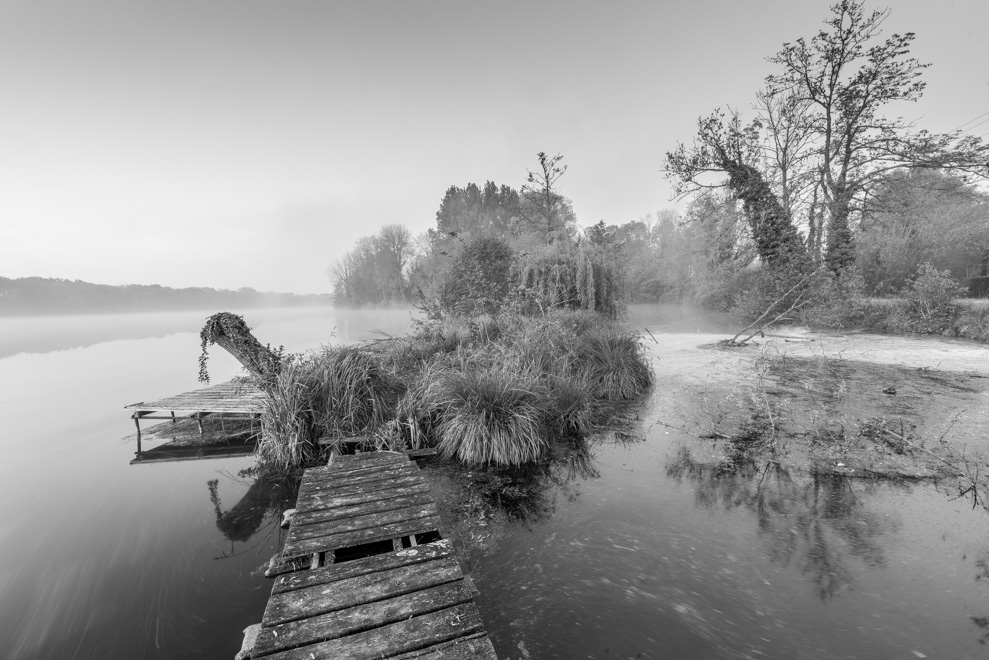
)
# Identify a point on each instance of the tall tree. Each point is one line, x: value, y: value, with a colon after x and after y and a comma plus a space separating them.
x: 846, y: 77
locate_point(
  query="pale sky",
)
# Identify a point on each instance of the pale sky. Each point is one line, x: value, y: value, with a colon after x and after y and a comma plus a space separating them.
x: 231, y: 143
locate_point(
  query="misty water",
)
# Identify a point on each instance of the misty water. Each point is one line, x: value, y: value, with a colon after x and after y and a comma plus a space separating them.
x: 642, y: 556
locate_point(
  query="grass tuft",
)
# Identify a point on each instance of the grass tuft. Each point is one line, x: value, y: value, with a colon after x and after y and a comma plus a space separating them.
x: 490, y: 417
x: 614, y: 363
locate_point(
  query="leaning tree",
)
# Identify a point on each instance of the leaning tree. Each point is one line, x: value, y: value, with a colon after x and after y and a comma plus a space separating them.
x: 822, y: 134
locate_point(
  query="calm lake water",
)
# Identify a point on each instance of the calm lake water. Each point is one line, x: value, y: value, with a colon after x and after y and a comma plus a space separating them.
x: 648, y: 559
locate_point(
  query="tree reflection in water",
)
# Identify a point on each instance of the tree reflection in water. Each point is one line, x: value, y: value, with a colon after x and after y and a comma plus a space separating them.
x: 265, y: 496
x: 812, y: 521
x: 527, y: 493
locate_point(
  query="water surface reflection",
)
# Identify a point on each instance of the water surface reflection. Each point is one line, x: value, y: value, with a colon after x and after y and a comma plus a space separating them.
x: 816, y: 522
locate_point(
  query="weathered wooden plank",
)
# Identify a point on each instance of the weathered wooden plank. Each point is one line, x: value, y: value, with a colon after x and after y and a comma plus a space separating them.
x: 365, y: 566
x: 333, y: 480
x: 243, y: 397
x: 353, y: 591
x: 335, y: 500
x: 378, y: 481
x: 363, y: 466
x: 340, y: 465
x: 353, y: 461
x: 363, y: 520
x: 363, y: 617
x: 359, y: 488
x: 473, y: 647
x: 316, y: 516
x: 360, y: 468
x: 400, y: 637
x: 297, y: 548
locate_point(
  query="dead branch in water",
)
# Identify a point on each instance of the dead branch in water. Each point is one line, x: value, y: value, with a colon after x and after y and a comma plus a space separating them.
x: 758, y: 324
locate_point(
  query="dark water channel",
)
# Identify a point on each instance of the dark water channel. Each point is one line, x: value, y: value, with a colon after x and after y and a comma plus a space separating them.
x: 654, y: 556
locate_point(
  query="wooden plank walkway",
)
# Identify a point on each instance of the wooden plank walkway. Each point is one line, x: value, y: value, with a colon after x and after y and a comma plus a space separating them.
x: 410, y: 601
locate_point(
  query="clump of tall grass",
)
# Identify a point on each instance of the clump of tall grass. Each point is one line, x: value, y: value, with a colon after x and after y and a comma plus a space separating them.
x: 490, y: 416
x: 614, y: 364
x: 336, y: 393
x: 571, y: 413
x: 352, y: 393
x: 288, y: 434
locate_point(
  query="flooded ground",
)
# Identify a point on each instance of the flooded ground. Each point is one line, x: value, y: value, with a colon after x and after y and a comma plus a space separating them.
x: 653, y: 549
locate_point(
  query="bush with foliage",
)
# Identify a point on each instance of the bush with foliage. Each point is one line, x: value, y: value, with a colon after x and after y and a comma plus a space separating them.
x: 932, y: 294
x: 479, y: 279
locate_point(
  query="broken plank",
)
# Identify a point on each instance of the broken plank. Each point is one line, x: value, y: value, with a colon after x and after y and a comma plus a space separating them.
x: 295, y: 548
x: 365, y: 566
x: 364, y: 520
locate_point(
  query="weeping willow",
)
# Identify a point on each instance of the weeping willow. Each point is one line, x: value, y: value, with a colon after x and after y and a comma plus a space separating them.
x: 575, y: 278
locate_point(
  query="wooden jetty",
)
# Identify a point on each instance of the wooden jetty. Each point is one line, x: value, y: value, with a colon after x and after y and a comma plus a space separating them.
x: 381, y: 582
x: 236, y: 399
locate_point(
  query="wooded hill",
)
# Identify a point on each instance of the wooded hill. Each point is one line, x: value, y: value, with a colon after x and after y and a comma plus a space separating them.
x: 28, y: 296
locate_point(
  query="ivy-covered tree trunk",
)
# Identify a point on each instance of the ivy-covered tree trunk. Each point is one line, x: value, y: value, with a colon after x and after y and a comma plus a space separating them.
x: 777, y: 241
x: 839, y: 252
x: 230, y: 332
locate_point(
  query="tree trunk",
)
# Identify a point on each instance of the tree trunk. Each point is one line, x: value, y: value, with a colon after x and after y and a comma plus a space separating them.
x: 229, y: 332
x: 840, y: 252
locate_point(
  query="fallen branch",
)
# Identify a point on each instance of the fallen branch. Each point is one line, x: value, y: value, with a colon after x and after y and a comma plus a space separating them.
x: 797, y: 304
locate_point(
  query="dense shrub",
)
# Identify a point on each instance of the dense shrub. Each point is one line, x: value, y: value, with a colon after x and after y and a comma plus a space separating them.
x: 932, y: 295
x: 478, y: 281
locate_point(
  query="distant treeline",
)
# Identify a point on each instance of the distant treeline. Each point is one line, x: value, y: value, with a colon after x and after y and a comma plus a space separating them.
x: 41, y: 295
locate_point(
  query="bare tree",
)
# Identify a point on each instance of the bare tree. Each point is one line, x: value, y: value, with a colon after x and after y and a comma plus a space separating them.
x: 542, y: 208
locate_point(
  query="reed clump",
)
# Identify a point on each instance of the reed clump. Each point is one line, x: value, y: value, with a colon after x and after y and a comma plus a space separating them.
x: 336, y: 393
x: 490, y: 390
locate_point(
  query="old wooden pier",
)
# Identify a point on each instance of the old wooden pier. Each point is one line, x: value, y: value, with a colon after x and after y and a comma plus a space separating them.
x: 238, y: 399
x: 364, y: 572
